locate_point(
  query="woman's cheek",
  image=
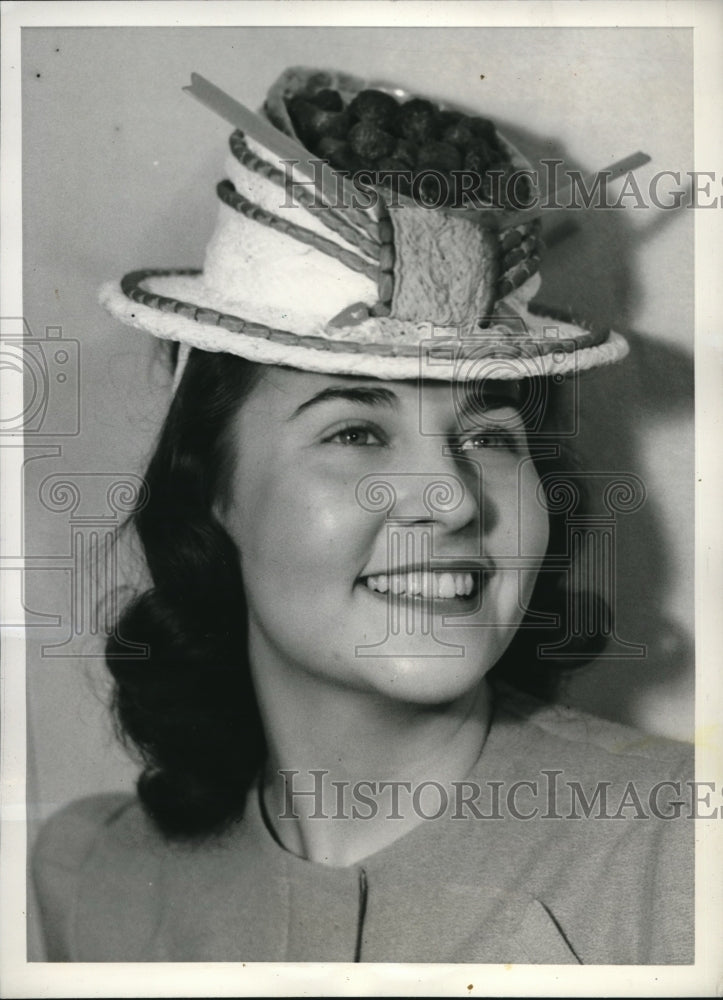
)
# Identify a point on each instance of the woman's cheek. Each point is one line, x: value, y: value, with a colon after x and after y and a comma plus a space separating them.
x: 330, y: 504
x: 534, y: 524
x: 307, y: 528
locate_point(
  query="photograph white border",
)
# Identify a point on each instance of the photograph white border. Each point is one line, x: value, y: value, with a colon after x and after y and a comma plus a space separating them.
x: 705, y: 978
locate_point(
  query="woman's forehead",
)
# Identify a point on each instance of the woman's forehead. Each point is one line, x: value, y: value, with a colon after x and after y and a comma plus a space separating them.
x: 294, y: 388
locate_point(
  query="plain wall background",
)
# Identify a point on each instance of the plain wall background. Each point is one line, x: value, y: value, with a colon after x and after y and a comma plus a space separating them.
x: 119, y: 172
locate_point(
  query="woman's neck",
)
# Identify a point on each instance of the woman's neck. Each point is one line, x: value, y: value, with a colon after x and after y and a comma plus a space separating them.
x: 347, y: 769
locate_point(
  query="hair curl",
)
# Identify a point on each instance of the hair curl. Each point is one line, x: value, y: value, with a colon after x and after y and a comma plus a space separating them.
x: 189, y: 707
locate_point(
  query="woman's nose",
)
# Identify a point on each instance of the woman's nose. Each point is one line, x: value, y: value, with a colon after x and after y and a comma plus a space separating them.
x: 435, y: 487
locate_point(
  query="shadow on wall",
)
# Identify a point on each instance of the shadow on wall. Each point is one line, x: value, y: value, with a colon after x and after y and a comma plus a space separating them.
x: 655, y: 384
x: 591, y: 268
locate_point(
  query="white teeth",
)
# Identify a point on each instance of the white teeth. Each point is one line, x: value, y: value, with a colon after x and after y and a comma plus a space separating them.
x: 431, y: 585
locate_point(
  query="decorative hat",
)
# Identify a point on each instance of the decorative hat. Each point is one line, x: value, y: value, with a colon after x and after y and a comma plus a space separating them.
x: 384, y: 277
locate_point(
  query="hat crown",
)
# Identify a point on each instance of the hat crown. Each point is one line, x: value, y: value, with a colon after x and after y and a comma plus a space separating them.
x: 440, y: 264
x: 396, y: 289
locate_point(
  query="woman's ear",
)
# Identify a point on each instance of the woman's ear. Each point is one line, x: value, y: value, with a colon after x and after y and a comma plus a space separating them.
x: 222, y: 489
x: 219, y: 512
x: 218, y: 509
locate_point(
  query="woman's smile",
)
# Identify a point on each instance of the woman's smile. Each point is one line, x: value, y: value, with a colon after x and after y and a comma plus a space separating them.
x: 453, y: 590
x: 422, y: 583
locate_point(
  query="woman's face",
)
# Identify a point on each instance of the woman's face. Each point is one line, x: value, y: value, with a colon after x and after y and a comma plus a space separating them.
x: 389, y: 535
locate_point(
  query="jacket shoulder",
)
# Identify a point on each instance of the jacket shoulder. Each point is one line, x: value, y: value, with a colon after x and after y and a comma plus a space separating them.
x: 617, y: 835
x: 592, y: 742
x: 65, y: 838
x: 90, y: 843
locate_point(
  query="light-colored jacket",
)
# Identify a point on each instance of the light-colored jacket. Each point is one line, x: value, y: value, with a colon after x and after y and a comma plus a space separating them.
x: 598, y: 872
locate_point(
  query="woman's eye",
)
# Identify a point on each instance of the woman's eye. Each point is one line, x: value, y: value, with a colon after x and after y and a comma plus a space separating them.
x: 489, y: 439
x: 360, y: 437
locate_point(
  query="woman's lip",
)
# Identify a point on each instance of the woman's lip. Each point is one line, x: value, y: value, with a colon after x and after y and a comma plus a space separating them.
x: 437, y: 605
x: 471, y: 566
x: 480, y: 573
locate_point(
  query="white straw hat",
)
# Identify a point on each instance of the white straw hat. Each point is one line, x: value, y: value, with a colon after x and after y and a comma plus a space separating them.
x: 380, y: 286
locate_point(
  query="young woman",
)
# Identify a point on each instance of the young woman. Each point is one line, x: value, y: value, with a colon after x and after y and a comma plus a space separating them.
x: 354, y: 532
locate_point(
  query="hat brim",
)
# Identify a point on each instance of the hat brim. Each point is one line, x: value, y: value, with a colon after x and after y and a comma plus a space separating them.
x: 178, y: 306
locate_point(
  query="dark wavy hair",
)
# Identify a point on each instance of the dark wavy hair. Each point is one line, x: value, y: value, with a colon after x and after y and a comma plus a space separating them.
x: 189, y: 706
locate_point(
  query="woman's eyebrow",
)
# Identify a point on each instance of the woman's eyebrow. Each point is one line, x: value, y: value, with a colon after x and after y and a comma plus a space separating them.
x: 366, y: 395
x: 472, y: 405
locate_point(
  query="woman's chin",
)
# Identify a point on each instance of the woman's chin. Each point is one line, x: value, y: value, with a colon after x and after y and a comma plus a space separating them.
x: 425, y: 678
